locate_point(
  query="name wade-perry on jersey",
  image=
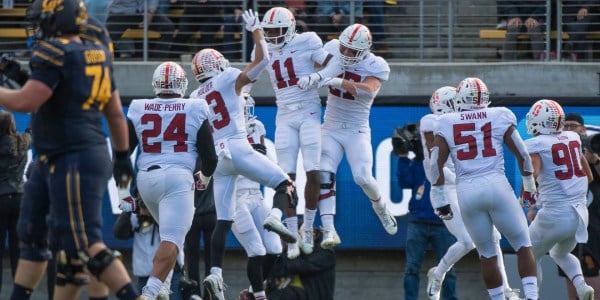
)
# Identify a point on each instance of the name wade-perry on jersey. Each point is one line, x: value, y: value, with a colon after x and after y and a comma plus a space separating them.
x: 343, y: 106
x: 166, y: 130
x: 292, y: 61
x: 225, y: 107
x: 255, y: 129
x: 81, y: 79
x: 475, y: 139
x: 561, y: 178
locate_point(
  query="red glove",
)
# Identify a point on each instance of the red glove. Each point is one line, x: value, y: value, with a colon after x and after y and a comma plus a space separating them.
x: 128, y: 204
x: 444, y: 212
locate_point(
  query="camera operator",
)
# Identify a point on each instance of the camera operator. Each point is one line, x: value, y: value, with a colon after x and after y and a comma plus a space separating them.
x: 588, y: 253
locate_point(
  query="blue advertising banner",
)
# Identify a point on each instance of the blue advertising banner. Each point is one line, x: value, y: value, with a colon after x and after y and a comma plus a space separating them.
x: 355, y: 221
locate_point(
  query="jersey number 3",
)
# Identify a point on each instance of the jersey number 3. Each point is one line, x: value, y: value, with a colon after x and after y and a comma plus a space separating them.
x: 174, y: 132
x: 471, y: 141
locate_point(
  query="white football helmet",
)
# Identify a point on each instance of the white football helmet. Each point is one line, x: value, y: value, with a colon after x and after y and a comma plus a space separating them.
x: 442, y: 100
x: 169, y: 78
x: 545, y: 117
x: 208, y: 63
x: 357, y: 38
x: 471, y: 94
x: 282, y: 19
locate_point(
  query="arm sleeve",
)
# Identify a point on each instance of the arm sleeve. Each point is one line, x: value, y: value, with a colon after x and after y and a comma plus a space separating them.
x: 122, y: 228
x: 133, y: 141
x: 206, y: 150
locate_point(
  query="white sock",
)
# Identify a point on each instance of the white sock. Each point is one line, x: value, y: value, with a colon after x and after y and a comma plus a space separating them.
x: 153, y: 286
x: 260, y: 295
x: 530, y: 288
x: 327, y: 221
x: 309, y: 218
x: 291, y: 223
x: 497, y: 293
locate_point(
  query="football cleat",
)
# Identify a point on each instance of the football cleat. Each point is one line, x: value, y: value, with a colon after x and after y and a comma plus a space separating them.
x: 273, y: 224
x: 164, y: 292
x: 584, y: 291
x: 512, y: 294
x: 330, y: 239
x: 434, y: 285
x: 387, y: 220
x: 306, y: 240
x: 214, y: 284
x: 293, y: 250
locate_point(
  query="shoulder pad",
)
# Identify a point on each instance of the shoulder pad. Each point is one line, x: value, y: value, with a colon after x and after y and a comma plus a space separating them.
x: 310, y: 39
x: 47, y: 54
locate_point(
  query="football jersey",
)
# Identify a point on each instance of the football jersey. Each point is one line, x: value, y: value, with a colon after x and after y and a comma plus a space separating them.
x: 292, y: 61
x: 256, y: 130
x: 81, y: 80
x: 226, y: 109
x: 475, y: 139
x: 166, y: 130
x: 343, y: 106
x: 428, y: 123
x: 562, y: 178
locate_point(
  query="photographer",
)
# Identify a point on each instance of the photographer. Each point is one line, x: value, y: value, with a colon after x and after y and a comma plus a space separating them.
x: 588, y: 253
x: 425, y: 229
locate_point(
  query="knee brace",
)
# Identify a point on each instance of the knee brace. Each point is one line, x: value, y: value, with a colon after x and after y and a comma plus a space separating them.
x: 35, y: 251
x: 327, y: 185
x: 97, y: 264
x: 285, y: 195
x: 67, y: 268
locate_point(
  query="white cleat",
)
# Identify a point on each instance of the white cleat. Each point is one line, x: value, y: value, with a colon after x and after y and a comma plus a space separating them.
x: 293, y: 250
x: 306, y: 240
x: 512, y: 294
x: 585, y: 292
x: 146, y: 295
x: 330, y: 239
x: 434, y: 285
x: 273, y: 224
x: 214, y: 284
x: 164, y: 292
x: 387, y: 220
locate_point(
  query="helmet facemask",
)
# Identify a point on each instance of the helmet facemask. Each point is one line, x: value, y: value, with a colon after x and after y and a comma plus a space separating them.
x: 278, y: 26
x: 355, y: 44
x: 442, y: 100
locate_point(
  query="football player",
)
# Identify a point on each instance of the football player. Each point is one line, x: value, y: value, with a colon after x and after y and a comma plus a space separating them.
x: 298, y: 120
x: 346, y: 128
x: 262, y: 246
x: 474, y: 137
x: 441, y: 102
x: 172, y: 133
x: 562, y: 174
x: 221, y: 87
x: 70, y: 74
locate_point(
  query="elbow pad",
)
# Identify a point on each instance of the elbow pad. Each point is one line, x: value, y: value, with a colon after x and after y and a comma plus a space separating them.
x: 522, y: 149
x: 257, y: 69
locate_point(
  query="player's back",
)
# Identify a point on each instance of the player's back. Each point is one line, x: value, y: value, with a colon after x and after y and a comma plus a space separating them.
x: 562, y: 179
x: 82, y: 83
x: 475, y: 139
x: 345, y: 107
x: 292, y: 61
x: 226, y: 108
x: 167, y: 130
x: 95, y: 31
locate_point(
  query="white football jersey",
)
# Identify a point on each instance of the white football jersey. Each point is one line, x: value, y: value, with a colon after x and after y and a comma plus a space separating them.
x: 475, y: 139
x: 428, y: 123
x: 166, y: 130
x: 343, y: 106
x: 292, y: 61
x: 562, y: 179
x: 226, y: 108
x: 256, y: 130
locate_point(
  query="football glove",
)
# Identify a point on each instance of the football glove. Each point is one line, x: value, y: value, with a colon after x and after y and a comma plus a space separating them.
x: 331, y: 81
x: 444, y: 212
x: 260, y: 148
x: 11, y: 68
x: 122, y: 168
x: 201, y: 181
x: 128, y: 204
x: 529, y: 194
x: 251, y: 20
x: 310, y: 81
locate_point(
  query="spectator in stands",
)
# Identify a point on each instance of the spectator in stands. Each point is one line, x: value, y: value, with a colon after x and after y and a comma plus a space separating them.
x: 579, y: 17
x: 13, y: 158
x: 232, y: 31
x: 588, y: 253
x: 425, y: 229
x: 205, y: 16
x: 334, y: 16
x: 525, y: 16
x: 205, y: 219
x: 124, y: 14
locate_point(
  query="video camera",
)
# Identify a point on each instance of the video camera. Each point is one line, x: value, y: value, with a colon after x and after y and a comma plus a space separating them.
x: 407, y: 138
x: 592, y: 143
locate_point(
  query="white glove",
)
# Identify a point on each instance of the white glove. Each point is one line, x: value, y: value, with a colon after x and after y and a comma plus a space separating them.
x: 251, y: 19
x: 201, y: 181
x: 331, y: 81
x: 309, y: 82
x: 528, y: 197
x: 128, y: 204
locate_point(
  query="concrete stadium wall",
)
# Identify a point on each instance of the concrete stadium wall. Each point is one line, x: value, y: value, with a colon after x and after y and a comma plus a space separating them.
x: 526, y: 79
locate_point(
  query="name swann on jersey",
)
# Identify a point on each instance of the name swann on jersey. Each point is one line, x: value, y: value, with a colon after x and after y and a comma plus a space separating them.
x: 478, y: 115
x: 164, y: 106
